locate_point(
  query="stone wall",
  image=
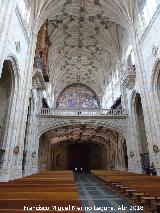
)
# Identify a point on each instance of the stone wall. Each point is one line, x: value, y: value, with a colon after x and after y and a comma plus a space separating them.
x: 146, y: 48
x: 18, y: 47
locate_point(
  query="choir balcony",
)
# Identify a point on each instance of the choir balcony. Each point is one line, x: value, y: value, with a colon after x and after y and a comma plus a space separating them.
x: 84, y: 113
x: 40, y: 67
x: 128, y: 78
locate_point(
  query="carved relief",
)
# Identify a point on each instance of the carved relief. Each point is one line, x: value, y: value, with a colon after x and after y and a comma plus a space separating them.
x: 131, y: 154
x: 155, y: 148
x: 16, y: 150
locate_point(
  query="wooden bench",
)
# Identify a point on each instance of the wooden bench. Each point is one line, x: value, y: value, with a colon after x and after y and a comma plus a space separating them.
x: 20, y: 203
x: 44, y: 189
x: 42, y: 195
x: 22, y: 211
x: 143, y: 189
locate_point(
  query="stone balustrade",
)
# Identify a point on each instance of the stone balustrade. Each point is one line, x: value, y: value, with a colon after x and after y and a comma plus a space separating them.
x: 83, y: 112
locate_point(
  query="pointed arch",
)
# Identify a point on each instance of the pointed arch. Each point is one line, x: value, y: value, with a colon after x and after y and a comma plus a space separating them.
x: 11, y: 63
x: 155, y: 78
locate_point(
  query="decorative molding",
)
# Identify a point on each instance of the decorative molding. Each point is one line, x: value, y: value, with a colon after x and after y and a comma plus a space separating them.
x: 38, y: 79
x: 131, y: 154
x: 16, y: 150
x: 147, y: 29
x: 34, y: 154
x: 155, y: 74
x: 129, y: 77
x: 155, y: 148
x: 18, y: 46
x: 22, y: 23
x: 46, y: 124
x: 155, y: 50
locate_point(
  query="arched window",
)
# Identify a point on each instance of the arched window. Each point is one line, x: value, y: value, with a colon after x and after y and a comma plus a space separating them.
x: 146, y: 12
x: 77, y: 96
x: 130, y: 57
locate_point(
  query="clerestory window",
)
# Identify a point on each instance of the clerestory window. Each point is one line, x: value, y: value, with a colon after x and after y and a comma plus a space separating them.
x: 146, y: 12
x: 24, y: 9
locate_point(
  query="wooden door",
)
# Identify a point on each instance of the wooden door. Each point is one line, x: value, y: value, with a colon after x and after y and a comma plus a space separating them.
x: 79, y: 156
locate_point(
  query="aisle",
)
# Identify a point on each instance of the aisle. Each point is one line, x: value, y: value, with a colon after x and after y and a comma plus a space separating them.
x: 94, y: 194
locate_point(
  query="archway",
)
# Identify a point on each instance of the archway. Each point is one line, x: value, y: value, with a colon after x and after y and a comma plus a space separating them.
x: 158, y: 84
x: 142, y: 138
x: 6, y: 91
x: 81, y: 146
x: 85, y: 155
x: 125, y: 154
x: 155, y: 78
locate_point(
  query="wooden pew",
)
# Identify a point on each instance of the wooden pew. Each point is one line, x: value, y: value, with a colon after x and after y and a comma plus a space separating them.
x: 28, y: 188
x: 22, y: 211
x: 44, y: 189
x: 42, y: 195
x: 135, y: 186
x: 20, y: 204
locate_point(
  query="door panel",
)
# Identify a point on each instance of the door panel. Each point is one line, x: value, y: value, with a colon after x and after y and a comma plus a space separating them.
x: 79, y: 156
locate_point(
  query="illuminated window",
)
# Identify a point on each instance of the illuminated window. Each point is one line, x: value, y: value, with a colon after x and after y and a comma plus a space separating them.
x: 130, y: 57
x: 77, y: 96
x: 147, y: 12
x: 24, y: 10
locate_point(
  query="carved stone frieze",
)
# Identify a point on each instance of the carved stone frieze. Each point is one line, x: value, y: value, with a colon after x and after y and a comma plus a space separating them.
x: 45, y: 124
x: 38, y: 79
x: 128, y: 79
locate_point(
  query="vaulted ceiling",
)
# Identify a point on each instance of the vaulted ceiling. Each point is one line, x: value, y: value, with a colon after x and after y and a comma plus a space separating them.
x: 86, y: 39
x: 82, y: 133
x: 84, y: 48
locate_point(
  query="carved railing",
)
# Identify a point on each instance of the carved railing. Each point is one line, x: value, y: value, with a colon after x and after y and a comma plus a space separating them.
x: 39, y: 64
x: 128, y: 79
x: 82, y: 112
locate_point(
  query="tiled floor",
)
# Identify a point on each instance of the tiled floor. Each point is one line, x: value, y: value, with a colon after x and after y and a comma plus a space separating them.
x: 94, y: 194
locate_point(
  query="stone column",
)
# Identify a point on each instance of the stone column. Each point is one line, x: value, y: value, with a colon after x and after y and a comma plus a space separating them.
x: 155, y: 145
x: 32, y: 140
x: 150, y: 117
x: 120, y: 164
x: 132, y: 142
x: 12, y: 166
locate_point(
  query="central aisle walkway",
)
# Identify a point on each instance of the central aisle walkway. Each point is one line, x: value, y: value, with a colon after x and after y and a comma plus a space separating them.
x: 94, y: 194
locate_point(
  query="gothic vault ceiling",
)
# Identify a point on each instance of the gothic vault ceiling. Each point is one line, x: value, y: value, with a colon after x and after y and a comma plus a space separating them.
x: 86, y: 39
x: 82, y: 133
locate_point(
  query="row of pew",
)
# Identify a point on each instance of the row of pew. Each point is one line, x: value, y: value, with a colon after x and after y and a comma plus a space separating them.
x: 142, y: 190
x: 50, y: 191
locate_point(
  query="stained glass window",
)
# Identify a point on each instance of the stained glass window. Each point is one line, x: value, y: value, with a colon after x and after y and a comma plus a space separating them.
x: 77, y: 96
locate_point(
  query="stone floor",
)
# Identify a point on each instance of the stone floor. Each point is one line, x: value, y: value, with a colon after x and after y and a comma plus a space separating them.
x: 94, y: 194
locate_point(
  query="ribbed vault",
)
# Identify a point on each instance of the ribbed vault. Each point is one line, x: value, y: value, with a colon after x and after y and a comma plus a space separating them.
x: 97, y: 134
x: 86, y: 39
